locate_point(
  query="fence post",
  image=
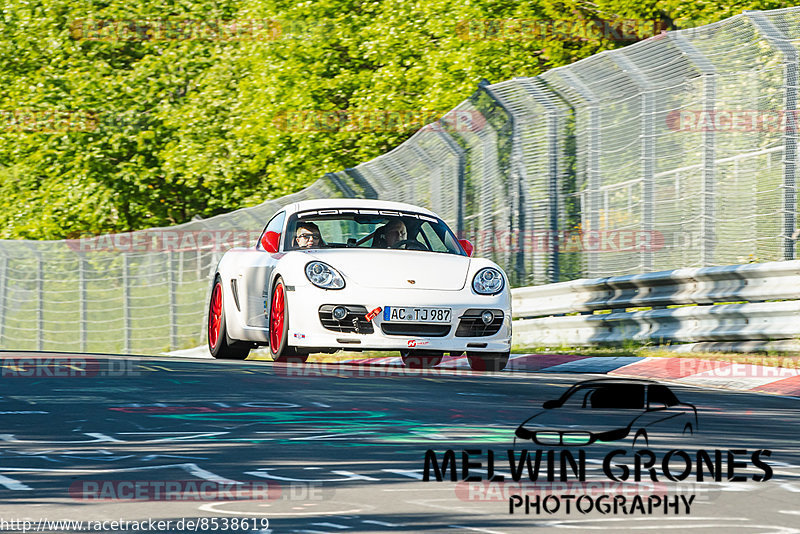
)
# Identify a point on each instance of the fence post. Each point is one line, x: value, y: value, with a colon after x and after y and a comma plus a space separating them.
x: 40, y: 302
x: 3, y: 283
x: 462, y: 194
x: 709, y: 73
x: 544, y: 96
x: 173, y: 304
x: 648, y: 133
x: 83, y: 319
x: 126, y: 304
x: 340, y: 185
x: 358, y: 178
x: 777, y: 39
x: 589, y: 211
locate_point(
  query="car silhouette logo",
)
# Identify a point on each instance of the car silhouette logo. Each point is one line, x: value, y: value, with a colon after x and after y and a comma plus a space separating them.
x: 609, y: 410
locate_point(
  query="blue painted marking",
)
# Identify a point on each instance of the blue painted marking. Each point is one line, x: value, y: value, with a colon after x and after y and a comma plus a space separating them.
x: 593, y: 365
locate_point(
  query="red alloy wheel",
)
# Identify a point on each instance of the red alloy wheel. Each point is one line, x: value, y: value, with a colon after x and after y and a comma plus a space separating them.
x: 276, y: 318
x: 215, y: 315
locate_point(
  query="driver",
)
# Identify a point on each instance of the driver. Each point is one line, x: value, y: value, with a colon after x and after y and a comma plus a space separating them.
x: 395, y: 231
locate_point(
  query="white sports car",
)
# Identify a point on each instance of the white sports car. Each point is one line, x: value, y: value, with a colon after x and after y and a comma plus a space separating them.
x: 348, y: 274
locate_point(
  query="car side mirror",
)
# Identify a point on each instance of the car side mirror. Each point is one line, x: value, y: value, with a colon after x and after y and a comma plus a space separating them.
x: 467, y: 246
x: 549, y: 405
x: 270, y: 241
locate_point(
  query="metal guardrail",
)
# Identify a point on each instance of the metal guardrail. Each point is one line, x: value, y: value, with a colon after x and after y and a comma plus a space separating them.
x: 702, y: 293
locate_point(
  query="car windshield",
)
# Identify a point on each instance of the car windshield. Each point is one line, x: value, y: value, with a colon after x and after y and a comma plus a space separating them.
x: 359, y: 228
x: 607, y: 397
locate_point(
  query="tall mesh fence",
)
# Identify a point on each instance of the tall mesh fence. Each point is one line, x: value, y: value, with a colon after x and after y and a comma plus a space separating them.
x: 677, y: 151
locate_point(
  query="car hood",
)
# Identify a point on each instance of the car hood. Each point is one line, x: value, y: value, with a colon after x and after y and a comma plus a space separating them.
x: 576, y: 420
x: 394, y: 268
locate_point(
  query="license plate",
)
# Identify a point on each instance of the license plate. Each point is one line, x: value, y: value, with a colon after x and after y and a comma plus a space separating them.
x: 416, y: 315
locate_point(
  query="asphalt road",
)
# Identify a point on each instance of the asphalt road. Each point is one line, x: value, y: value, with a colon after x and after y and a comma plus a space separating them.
x: 341, y: 448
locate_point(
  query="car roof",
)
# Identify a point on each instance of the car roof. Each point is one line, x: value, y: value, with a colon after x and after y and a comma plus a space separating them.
x: 361, y: 203
x: 609, y: 381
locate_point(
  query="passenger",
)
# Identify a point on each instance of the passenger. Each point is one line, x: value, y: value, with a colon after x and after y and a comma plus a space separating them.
x: 307, y: 235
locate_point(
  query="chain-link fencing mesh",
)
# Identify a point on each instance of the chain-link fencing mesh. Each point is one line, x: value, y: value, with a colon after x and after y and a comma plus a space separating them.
x: 677, y: 151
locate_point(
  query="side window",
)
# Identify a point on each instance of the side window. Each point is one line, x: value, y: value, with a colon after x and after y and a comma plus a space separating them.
x: 272, y: 233
x: 432, y: 238
x: 660, y: 397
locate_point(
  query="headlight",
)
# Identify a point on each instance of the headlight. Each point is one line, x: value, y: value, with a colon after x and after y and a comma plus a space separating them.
x: 488, y: 281
x: 324, y: 276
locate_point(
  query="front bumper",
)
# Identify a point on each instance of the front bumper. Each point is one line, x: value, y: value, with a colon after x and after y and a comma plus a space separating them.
x: 307, y: 331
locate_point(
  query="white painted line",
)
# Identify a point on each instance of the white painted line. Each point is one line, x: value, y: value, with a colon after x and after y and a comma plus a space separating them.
x: 475, y: 529
x: 332, y: 525
x: 192, y: 469
x: 410, y: 473
x: 12, y: 484
x: 383, y: 523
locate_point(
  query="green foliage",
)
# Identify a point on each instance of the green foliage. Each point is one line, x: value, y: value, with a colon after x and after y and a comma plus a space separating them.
x: 132, y: 125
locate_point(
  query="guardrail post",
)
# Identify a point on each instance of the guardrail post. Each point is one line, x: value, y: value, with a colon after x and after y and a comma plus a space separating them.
x: 82, y: 315
x: 648, y: 147
x: 173, y: 303
x: 126, y: 303
x: 778, y: 40
x: 707, y: 203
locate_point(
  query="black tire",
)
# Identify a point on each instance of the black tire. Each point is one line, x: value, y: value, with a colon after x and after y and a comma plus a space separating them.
x: 487, y: 361
x: 421, y: 359
x: 220, y: 345
x: 278, y: 320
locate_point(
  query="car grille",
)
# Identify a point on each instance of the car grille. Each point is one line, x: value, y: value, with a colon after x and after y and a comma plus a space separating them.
x: 563, y: 438
x: 415, y: 329
x: 353, y: 323
x: 471, y: 324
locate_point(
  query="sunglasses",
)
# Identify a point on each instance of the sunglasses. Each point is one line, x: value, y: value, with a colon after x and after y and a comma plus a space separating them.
x: 307, y: 236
